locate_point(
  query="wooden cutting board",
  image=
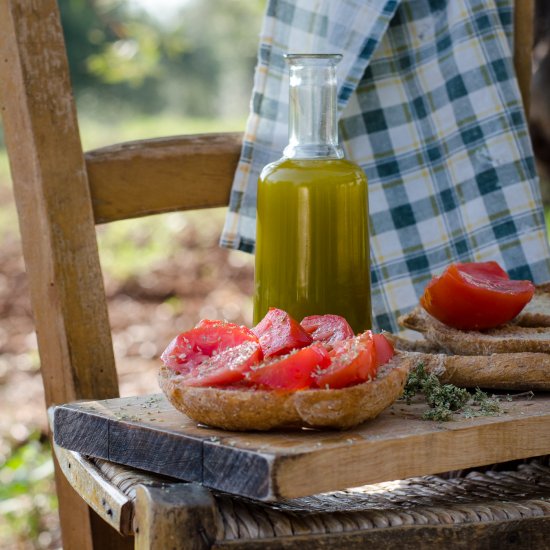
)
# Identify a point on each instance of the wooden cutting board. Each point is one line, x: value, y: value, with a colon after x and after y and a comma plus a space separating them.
x: 148, y: 433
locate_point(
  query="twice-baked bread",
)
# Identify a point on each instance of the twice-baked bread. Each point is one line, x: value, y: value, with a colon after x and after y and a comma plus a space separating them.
x: 515, y: 356
x: 499, y: 371
x: 509, y: 338
x: 537, y: 312
x: 252, y: 409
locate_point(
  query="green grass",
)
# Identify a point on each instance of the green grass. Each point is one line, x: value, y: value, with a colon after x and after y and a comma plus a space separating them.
x: 98, y: 133
x: 28, y: 502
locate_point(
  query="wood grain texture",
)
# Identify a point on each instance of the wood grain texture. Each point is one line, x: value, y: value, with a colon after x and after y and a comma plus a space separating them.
x: 54, y: 205
x: 112, y: 428
x: 111, y: 504
x: 57, y: 226
x: 524, y: 11
x: 162, y: 175
x: 178, y: 517
x: 269, y: 466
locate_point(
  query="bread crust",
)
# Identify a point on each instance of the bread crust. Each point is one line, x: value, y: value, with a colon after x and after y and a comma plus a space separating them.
x: 499, y: 371
x: 247, y: 409
x: 506, y: 339
x: 537, y: 312
x: 509, y: 338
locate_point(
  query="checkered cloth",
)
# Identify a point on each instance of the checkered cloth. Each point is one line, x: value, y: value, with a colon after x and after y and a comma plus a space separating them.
x: 430, y: 109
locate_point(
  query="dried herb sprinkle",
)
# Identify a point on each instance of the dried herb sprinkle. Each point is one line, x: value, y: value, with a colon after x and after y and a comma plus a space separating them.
x: 446, y: 399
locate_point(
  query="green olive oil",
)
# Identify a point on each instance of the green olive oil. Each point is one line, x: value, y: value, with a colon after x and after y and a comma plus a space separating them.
x: 312, y: 250
x: 312, y: 239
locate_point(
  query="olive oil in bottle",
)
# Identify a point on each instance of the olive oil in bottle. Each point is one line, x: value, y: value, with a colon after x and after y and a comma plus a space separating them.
x: 312, y: 243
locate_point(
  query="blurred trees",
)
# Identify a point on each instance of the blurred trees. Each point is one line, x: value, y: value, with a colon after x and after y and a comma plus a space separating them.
x: 198, y: 62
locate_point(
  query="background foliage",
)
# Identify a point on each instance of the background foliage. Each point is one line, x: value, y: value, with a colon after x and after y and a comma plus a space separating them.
x: 174, y: 68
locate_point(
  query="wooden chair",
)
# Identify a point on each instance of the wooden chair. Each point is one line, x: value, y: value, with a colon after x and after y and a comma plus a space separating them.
x: 61, y: 193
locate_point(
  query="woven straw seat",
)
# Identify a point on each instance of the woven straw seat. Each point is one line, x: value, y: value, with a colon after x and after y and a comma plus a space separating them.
x: 516, y: 491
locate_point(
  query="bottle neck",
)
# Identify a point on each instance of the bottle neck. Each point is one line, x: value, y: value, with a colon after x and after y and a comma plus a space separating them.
x: 313, y: 127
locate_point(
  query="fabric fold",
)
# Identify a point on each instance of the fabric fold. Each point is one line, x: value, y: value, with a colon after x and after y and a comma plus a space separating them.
x: 431, y: 110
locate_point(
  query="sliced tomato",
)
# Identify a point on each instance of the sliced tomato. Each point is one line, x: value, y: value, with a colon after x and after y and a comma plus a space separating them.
x: 475, y: 296
x: 352, y: 361
x: 190, y: 349
x: 279, y: 333
x: 291, y: 372
x: 227, y: 367
x: 483, y: 270
x: 384, y: 349
x: 327, y: 328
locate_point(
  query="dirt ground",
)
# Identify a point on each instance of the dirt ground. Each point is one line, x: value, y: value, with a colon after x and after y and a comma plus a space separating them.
x: 147, y: 307
x: 146, y: 311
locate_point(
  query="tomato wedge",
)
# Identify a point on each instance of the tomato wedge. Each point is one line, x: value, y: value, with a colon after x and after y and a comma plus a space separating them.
x: 279, y: 333
x: 227, y: 367
x: 291, y: 372
x: 475, y: 296
x: 384, y: 349
x: 327, y: 328
x: 190, y: 349
x: 352, y: 361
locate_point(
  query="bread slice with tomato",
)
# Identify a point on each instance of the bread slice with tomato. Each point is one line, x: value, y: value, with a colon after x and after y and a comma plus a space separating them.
x: 282, y: 373
x: 489, y: 332
x: 243, y: 409
x: 508, y: 338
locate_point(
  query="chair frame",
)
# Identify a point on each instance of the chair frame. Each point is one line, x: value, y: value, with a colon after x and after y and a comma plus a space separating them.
x: 66, y: 193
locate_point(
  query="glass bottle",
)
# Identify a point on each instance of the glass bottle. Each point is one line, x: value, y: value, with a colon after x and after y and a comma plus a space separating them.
x: 312, y: 242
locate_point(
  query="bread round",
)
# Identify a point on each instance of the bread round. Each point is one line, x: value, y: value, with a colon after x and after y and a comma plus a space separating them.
x: 251, y: 409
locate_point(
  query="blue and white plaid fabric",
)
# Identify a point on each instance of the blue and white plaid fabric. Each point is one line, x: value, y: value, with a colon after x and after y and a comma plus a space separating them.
x: 431, y: 110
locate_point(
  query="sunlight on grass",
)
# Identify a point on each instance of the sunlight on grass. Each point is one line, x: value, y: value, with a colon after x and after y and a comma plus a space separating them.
x: 99, y: 133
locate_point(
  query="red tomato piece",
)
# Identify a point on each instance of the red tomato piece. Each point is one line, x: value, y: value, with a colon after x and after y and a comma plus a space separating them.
x: 190, y: 349
x: 227, y: 367
x: 384, y: 349
x: 483, y: 269
x: 327, y: 328
x: 352, y: 361
x: 279, y: 333
x: 475, y: 296
x: 291, y: 372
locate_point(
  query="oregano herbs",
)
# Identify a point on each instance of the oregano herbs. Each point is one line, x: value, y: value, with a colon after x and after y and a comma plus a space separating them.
x: 444, y: 400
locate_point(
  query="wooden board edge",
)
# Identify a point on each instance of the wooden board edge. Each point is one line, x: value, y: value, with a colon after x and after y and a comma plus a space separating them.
x: 112, y: 439
x: 416, y: 457
x: 111, y: 504
x: 63, y: 417
x: 257, y: 480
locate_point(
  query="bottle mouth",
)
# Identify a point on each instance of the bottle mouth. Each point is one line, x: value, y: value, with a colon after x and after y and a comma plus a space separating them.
x: 313, y: 58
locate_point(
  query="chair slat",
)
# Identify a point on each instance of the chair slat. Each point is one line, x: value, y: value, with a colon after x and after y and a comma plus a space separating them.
x: 57, y: 226
x: 140, y: 178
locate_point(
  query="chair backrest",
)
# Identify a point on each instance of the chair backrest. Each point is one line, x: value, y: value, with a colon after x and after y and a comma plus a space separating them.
x: 61, y: 194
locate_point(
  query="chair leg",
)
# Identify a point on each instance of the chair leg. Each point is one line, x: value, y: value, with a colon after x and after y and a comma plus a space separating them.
x: 178, y: 516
